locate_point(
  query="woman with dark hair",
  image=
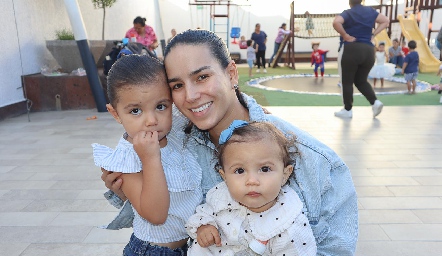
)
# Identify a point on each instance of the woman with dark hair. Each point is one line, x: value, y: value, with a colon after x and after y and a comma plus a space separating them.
x: 282, y: 32
x: 396, y: 54
x: 357, y: 53
x: 141, y: 32
x: 204, y: 82
x: 259, y: 38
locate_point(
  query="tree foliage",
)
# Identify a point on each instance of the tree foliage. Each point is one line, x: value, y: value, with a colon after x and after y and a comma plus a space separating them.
x: 103, y: 4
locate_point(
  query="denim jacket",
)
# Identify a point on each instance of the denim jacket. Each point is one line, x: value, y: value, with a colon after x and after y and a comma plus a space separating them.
x: 322, y: 182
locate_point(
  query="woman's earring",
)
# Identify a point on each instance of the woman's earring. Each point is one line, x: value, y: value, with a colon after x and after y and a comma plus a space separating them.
x: 235, y: 86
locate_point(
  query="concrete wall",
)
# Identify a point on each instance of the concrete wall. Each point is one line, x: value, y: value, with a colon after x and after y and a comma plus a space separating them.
x: 26, y: 25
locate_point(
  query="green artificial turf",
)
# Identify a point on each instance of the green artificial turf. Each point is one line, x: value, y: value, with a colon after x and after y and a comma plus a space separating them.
x: 275, y: 98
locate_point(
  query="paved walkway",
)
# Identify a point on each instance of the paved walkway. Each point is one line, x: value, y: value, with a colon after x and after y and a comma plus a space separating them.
x: 51, y: 199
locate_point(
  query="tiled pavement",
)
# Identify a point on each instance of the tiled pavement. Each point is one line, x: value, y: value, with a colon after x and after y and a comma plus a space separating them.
x: 51, y: 199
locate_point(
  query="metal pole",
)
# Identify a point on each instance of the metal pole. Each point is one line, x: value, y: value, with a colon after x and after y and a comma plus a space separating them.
x: 86, y: 55
x: 159, y: 25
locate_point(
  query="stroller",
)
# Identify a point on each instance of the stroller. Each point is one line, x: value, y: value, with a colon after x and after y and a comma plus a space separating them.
x: 121, y: 48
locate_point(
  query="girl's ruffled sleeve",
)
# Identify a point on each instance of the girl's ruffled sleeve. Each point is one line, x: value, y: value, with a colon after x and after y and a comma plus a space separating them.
x: 116, y: 160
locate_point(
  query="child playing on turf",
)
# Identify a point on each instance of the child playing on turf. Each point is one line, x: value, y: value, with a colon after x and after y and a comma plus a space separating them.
x: 404, y: 47
x: 411, y: 67
x: 161, y: 177
x: 251, y: 55
x: 382, y: 69
x: 253, y: 211
x: 318, y: 58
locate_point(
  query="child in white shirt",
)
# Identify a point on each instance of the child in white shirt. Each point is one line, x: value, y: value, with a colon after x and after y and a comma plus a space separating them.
x: 161, y: 176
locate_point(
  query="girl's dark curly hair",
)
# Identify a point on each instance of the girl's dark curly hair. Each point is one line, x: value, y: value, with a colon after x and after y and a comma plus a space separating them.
x: 256, y: 131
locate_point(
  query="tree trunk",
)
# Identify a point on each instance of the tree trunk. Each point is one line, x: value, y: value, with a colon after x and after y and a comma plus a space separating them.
x: 104, y: 18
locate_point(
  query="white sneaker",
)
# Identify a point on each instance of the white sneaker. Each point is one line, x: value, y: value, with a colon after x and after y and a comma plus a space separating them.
x: 344, y: 113
x: 377, y: 108
x: 258, y: 70
x: 265, y: 70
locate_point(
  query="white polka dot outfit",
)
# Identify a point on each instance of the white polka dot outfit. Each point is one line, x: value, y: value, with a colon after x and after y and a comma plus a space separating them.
x: 284, y: 226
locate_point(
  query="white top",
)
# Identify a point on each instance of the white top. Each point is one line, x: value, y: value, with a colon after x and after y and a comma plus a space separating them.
x: 183, y: 176
x: 284, y: 226
x: 380, y: 58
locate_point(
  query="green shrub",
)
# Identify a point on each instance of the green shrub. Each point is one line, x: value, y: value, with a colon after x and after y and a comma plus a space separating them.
x: 64, y: 34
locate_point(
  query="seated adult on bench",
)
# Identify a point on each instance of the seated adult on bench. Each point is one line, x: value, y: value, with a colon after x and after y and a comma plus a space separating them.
x: 395, y: 53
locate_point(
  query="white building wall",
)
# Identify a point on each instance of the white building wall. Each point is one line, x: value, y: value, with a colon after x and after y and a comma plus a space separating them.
x: 10, y: 61
x: 26, y: 25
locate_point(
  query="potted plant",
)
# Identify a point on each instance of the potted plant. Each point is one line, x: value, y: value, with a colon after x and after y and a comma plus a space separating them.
x: 65, y: 51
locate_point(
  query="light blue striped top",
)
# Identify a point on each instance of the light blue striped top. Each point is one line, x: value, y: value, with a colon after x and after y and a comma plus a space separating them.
x: 183, y: 176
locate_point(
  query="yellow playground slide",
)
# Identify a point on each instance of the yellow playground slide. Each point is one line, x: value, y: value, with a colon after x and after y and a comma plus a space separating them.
x: 427, y: 61
x: 383, y: 37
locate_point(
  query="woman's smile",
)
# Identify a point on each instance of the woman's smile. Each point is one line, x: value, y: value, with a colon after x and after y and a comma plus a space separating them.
x: 202, y: 108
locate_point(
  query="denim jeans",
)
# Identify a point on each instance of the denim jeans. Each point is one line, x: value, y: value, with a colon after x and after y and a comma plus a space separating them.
x: 397, y: 60
x: 137, y: 247
x: 275, y: 51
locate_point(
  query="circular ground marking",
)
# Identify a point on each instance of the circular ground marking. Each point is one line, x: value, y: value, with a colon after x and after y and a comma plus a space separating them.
x: 329, y: 84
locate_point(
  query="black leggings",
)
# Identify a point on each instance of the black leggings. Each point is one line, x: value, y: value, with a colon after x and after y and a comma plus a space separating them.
x: 356, y: 62
x: 261, y: 55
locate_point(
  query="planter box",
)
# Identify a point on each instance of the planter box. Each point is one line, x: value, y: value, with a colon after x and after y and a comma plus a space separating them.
x: 73, y: 92
x: 68, y: 56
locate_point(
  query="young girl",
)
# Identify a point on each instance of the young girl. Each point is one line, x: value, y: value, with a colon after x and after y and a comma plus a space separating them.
x: 242, y: 43
x: 309, y: 25
x: 251, y: 55
x: 253, y: 211
x: 161, y: 177
x: 382, y: 69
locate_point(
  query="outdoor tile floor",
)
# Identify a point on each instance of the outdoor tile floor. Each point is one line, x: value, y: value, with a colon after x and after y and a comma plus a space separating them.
x: 51, y: 199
